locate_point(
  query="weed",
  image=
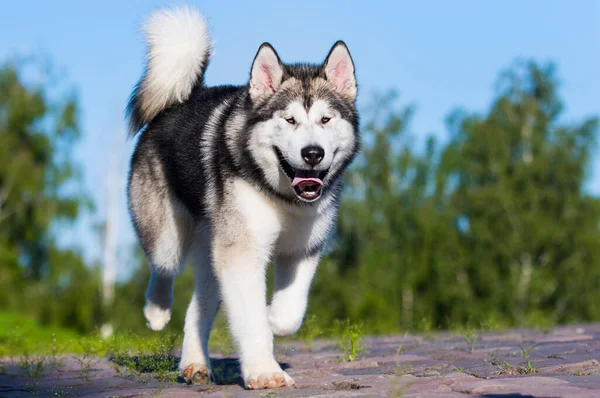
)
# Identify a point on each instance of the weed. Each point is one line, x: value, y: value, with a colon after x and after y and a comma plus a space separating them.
x: 471, y: 336
x: 88, y: 357
x: 527, y: 369
x: 32, y: 386
x: 491, y: 357
x: 350, y: 336
x: 402, y: 369
x: 526, y: 351
x: 310, y: 330
x: 32, y: 366
x: 401, y: 349
x: 505, y: 368
x: 399, y: 391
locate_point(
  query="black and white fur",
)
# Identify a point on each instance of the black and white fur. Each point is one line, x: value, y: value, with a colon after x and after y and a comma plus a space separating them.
x: 233, y: 177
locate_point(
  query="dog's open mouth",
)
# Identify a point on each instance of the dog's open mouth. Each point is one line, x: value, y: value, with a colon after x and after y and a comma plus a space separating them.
x: 307, y: 184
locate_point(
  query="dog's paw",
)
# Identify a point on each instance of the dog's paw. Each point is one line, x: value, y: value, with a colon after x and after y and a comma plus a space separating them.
x: 156, y: 316
x: 268, y: 380
x: 197, y: 374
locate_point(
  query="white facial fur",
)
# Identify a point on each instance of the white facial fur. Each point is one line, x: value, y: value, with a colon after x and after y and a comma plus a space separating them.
x: 336, y: 137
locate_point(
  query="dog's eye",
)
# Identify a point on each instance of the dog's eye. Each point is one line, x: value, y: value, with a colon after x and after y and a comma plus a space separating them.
x: 291, y: 120
x: 325, y: 119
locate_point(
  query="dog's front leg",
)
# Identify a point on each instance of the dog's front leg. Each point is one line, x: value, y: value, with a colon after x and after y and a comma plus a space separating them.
x: 240, y: 267
x: 293, y: 276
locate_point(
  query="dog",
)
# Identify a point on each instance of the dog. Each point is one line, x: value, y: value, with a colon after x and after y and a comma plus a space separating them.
x: 232, y: 178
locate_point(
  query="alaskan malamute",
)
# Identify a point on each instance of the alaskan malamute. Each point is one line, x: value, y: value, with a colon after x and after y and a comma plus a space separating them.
x: 233, y: 177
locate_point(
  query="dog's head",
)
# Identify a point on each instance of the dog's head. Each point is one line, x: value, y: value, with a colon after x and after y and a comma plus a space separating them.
x: 304, y: 124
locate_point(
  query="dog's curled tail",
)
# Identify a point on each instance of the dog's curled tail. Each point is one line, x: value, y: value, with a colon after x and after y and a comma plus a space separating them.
x: 179, y: 48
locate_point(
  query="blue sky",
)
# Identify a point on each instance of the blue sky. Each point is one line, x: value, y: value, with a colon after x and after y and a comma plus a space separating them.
x: 437, y: 54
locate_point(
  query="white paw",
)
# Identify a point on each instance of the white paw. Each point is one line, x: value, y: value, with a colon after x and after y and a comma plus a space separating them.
x: 196, y: 373
x: 156, y: 317
x: 259, y: 381
x: 284, y: 323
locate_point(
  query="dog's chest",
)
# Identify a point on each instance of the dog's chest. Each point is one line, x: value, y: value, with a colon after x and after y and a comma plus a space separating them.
x: 286, y: 229
x: 303, y: 230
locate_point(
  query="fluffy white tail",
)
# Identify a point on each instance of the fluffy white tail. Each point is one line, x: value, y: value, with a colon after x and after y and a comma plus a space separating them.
x: 179, y: 48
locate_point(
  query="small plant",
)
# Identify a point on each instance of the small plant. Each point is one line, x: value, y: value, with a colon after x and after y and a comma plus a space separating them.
x: 528, y: 369
x: 350, y: 339
x: 32, y: 386
x: 402, y: 369
x: 471, y: 336
x: 491, y: 358
x: 88, y: 357
x: 399, y: 390
x: 33, y: 366
x: 505, y: 368
x: 310, y: 330
x: 401, y: 349
x: 458, y: 369
x: 526, y: 351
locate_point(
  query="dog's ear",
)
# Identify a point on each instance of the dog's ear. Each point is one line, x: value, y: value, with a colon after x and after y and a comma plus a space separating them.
x: 267, y: 72
x: 339, y: 69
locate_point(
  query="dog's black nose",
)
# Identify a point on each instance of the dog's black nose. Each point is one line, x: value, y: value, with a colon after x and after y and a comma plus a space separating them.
x: 312, y: 155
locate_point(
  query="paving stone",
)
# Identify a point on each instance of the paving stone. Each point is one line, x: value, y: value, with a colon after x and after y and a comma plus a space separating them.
x: 563, y: 362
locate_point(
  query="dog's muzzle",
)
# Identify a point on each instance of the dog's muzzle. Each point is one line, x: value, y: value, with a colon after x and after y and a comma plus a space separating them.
x: 307, y: 184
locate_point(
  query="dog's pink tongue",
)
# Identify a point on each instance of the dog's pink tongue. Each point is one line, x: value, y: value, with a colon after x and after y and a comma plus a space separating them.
x: 298, y: 180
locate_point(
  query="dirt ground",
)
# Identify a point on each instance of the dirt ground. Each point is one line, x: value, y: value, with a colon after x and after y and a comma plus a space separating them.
x: 563, y: 362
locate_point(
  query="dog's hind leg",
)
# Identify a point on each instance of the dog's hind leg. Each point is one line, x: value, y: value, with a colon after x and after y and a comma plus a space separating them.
x: 195, y: 362
x: 164, y: 227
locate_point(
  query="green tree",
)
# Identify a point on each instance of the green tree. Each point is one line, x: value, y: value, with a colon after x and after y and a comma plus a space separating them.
x: 40, y: 191
x: 494, y: 226
x: 517, y: 177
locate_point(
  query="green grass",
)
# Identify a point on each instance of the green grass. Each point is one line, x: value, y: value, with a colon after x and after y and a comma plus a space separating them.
x: 145, y: 357
x: 221, y: 340
x: 40, y: 349
x: 21, y: 334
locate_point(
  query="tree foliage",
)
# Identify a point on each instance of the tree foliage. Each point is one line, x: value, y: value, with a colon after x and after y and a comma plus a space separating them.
x: 40, y: 191
x: 494, y: 226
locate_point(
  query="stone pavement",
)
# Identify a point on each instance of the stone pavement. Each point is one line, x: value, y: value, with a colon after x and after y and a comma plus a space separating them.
x: 513, y: 363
